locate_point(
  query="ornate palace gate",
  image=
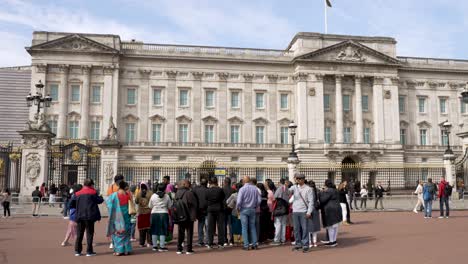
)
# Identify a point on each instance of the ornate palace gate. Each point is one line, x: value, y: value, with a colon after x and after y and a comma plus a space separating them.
x: 10, y: 168
x: 461, y: 171
x: 72, y: 163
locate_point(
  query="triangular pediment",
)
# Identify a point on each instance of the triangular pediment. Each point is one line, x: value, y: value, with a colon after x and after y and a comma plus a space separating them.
x: 73, y: 43
x: 235, y: 120
x: 284, y: 121
x: 209, y: 119
x: 183, y: 119
x: 130, y: 117
x: 424, y: 124
x: 158, y: 118
x: 349, y: 52
x: 260, y: 121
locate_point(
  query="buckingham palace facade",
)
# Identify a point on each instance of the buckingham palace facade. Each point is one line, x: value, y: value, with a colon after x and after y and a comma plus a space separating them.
x: 352, y: 98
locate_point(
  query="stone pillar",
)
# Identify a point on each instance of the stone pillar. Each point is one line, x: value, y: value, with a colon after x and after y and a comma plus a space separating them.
x: 292, y: 169
x: 378, y: 115
x: 273, y: 109
x: 197, y: 106
x: 109, y: 163
x: 84, y: 122
x: 107, y: 96
x: 63, y: 99
x: 144, y: 105
x: 223, y: 106
x: 247, y: 129
x: 115, y: 96
x: 450, y: 175
x: 316, y: 122
x: 391, y: 111
x: 171, y: 106
x: 301, y: 110
x: 359, y: 122
x: 339, y: 109
x: 35, y: 159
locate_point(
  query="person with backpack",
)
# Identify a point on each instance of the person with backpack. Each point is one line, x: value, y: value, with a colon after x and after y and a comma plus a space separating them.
x: 184, y: 213
x: 445, y: 190
x: 280, y: 213
x: 200, y: 192
x: 303, y: 202
x: 215, y: 200
x: 248, y: 200
x: 429, y: 191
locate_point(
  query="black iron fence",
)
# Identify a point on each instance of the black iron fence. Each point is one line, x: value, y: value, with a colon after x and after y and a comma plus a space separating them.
x: 10, y: 168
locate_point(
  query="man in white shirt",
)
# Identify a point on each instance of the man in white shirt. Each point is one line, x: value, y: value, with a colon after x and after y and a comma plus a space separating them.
x: 302, y: 206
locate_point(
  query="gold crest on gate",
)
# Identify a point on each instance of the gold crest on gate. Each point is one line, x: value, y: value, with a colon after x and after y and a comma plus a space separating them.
x: 76, y: 154
x: 2, y: 164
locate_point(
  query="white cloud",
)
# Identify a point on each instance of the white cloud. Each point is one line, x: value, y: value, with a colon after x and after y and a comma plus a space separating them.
x: 12, y: 50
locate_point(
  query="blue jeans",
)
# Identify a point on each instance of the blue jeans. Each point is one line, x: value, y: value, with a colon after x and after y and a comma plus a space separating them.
x: 428, y: 208
x: 300, y: 230
x: 444, y: 201
x: 247, y: 216
x: 162, y: 241
x: 65, y: 208
x: 132, y: 230
x: 201, y: 229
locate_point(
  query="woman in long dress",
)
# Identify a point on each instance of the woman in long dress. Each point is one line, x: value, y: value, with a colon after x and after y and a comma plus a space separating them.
x: 119, y: 227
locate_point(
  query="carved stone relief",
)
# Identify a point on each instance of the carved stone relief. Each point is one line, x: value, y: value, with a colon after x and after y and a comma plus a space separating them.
x: 350, y: 54
x: 108, y: 170
x: 33, y: 167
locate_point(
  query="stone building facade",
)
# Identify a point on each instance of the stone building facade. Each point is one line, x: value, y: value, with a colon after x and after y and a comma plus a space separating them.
x: 354, y: 100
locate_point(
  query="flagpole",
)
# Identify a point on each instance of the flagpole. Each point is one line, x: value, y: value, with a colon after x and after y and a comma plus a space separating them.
x: 326, y: 19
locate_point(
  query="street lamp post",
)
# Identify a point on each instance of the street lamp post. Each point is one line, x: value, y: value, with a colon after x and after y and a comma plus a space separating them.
x: 38, y: 99
x: 293, y: 159
x: 449, y: 157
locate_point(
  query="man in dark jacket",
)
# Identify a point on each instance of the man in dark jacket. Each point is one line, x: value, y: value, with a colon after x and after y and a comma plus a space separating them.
x: 65, y: 194
x: 188, y: 197
x: 87, y: 213
x: 200, y: 192
x: 379, y: 190
x: 215, y: 199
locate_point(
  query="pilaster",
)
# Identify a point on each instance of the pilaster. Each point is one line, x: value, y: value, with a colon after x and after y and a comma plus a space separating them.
x: 301, y: 99
x: 197, y: 107
x: 273, y: 108
x: 84, y: 122
x: 378, y: 113
x: 358, y: 110
x: 144, y: 105
x: 223, y: 106
x: 171, y: 106
x: 247, y: 128
x: 339, y: 109
x: 63, y: 99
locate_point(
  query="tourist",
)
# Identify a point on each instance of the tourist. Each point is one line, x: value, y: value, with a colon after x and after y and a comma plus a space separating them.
x: 87, y: 213
x: 190, y: 200
x: 144, y: 214
x: 331, y: 212
x: 44, y: 191
x: 314, y: 221
x: 350, y: 195
x: 52, y: 195
x: 119, y: 226
x: 419, y: 193
x: 200, y: 192
x: 65, y: 195
x: 445, y: 190
x: 6, y: 203
x: 303, y: 201
x: 257, y: 211
x: 215, y: 202
x: 364, y: 195
x: 280, y: 213
x: 460, y: 188
x: 248, y: 200
x: 266, y: 222
x: 379, y: 190
x: 342, y: 198
x: 169, y: 185
x: 227, y: 213
x: 357, y: 193
x: 133, y: 217
x: 115, y: 187
x: 429, y: 191
x: 270, y: 188
x: 231, y: 202
x: 160, y: 203
x: 36, y: 199
x: 71, y: 229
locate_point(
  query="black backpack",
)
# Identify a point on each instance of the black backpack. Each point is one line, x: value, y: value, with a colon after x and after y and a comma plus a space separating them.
x: 179, y: 210
x: 448, y: 190
x: 281, y: 208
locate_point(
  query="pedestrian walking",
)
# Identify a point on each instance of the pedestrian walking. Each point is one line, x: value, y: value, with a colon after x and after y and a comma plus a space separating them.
x: 6, y: 194
x: 331, y: 212
x: 303, y: 201
x: 357, y: 194
x: 160, y: 203
x: 248, y: 200
x: 86, y: 203
x: 36, y: 199
x: 342, y: 198
x: 215, y: 201
x: 379, y: 190
x: 200, y: 192
x: 119, y: 226
x: 429, y: 191
x: 419, y: 193
x: 364, y: 195
x: 144, y: 215
x: 445, y: 190
x: 186, y: 196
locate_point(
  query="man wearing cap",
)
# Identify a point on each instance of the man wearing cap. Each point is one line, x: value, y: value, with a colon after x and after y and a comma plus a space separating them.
x: 302, y: 206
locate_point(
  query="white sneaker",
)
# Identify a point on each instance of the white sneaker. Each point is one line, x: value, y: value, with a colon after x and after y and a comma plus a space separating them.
x: 66, y: 217
x: 111, y: 246
x: 415, y: 211
x: 179, y: 252
x: 441, y: 217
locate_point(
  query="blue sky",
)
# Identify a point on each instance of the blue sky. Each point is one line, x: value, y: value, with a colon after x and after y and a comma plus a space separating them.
x: 423, y: 28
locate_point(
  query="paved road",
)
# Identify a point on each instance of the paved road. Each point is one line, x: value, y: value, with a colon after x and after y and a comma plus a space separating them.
x: 377, y: 237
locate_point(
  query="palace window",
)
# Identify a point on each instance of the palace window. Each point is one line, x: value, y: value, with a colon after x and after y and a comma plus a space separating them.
x: 403, y: 136
x: 75, y: 96
x: 131, y: 96
x: 284, y: 101
x: 365, y: 103
x: 183, y: 133
x: 73, y: 127
x: 260, y: 100
x: 444, y: 138
x: 422, y: 104
x: 183, y: 98
x: 346, y: 103
x: 130, y: 132
x: 53, y: 126
x: 423, y: 137
x: 157, y: 97
x: 235, y: 99
x: 209, y: 99
x: 443, y: 105
x: 260, y: 134
x: 328, y: 135
x: 326, y: 102
x: 209, y: 134
x: 284, y: 135
x: 95, y: 130
x: 462, y: 106
x: 367, y: 135
x: 156, y: 133
x: 235, y: 134
x: 347, y: 135
x: 96, y: 94
x: 54, y: 92
x: 402, y: 103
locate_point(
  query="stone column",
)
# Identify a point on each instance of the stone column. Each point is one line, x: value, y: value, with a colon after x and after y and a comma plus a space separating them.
x: 144, y: 105
x: 378, y: 115
x: 292, y: 169
x: 391, y: 110
x: 273, y: 109
x: 84, y: 122
x: 223, y: 106
x: 63, y: 99
x: 315, y: 110
x: 359, y: 122
x: 171, y: 106
x: 35, y: 159
x: 197, y: 106
x: 247, y: 129
x: 339, y: 109
x: 109, y: 163
x: 107, y: 100
x: 301, y: 110
x: 115, y: 96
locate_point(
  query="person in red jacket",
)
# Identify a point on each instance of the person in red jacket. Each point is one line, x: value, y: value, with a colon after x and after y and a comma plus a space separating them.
x: 443, y: 198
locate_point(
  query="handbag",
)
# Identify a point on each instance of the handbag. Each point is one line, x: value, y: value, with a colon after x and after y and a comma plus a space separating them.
x: 131, y: 207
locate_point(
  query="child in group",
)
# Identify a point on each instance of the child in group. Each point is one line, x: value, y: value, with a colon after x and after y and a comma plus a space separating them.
x: 71, y: 230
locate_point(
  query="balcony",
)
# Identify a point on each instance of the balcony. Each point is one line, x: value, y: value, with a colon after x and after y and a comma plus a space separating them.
x: 147, y: 144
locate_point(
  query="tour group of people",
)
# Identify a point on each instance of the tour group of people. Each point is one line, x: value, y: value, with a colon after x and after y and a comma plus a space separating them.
x: 428, y: 191
x: 245, y: 214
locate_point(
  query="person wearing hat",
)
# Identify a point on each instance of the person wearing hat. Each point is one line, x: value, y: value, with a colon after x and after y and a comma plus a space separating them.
x: 302, y: 205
